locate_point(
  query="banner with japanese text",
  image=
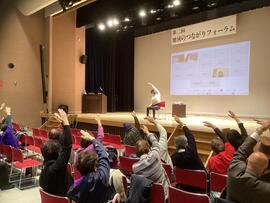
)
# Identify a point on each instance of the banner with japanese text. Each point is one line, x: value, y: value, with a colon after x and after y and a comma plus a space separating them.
x: 205, y: 30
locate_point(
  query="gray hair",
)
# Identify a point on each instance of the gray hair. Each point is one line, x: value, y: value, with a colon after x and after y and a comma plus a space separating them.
x: 180, y: 142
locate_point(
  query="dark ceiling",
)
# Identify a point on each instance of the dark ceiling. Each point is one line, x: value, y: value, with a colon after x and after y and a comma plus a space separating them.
x: 162, y: 17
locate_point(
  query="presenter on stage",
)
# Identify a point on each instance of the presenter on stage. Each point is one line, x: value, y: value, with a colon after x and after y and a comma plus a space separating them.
x: 155, y: 101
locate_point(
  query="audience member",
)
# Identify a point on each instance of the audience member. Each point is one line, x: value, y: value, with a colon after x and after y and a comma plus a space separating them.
x: 155, y: 100
x: 223, y: 152
x: 132, y: 134
x: 54, y: 177
x: 94, y: 167
x: 164, y: 154
x: 86, y: 144
x: 245, y: 170
x: 150, y: 165
x: 186, y: 155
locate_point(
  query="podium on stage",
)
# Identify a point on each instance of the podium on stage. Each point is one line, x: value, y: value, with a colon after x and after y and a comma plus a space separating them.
x: 179, y: 110
x: 94, y: 103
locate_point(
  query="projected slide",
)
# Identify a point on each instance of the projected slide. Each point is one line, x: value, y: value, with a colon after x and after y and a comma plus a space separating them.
x: 220, y: 70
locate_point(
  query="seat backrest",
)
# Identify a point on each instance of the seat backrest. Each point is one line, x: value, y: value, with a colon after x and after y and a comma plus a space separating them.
x: 77, y: 173
x: 194, y: 178
x: 78, y: 140
x: 17, y: 155
x: 38, y: 142
x: 16, y: 126
x: 115, y: 139
x: 157, y: 194
x: 130, y: 150
x: 43, y: 133
x: 35, y: 132
x: 169, y: 171
x: 29, y: 140
x: 106, y: 137
x: 125, y: 163
x: 75, y: 131
x: 7, y: 151
x: 49, y: 198
x: 181, y: 196
x: 217, y: 181
x: 162, y: 104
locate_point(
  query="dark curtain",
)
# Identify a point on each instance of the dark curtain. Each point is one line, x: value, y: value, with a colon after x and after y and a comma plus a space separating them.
x: 110, y: 66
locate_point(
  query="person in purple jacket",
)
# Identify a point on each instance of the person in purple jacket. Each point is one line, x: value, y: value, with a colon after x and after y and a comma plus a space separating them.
x: 86, y: 145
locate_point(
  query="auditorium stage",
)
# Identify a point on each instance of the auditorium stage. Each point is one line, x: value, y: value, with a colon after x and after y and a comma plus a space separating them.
x: 194, y: 122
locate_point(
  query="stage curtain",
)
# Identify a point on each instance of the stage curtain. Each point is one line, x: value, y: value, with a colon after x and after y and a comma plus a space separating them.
x: 110, y: 65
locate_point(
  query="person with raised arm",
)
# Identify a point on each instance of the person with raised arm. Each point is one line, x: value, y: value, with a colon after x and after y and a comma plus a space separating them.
x: 155, y: 100
x: 223, y: 152
x: 186, y: 155
x: 54, y: 177
x: 150, y: 165
x: 164, y: 154
x: 244, y: 185
x: 132, y: 134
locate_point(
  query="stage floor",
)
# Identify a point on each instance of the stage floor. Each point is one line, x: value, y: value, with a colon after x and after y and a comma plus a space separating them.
x: 192, y: 121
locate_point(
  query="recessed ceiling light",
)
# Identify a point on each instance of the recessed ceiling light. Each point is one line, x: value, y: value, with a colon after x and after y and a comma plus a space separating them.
x: 170, y: 6
x: 142, y: 13
x: 101, y: 26
x: 176, y: 2
x: 110, y: 23
x: 152, y: 11
x: 126, y: 19
x: 115, y: 21
x: 195, y: 8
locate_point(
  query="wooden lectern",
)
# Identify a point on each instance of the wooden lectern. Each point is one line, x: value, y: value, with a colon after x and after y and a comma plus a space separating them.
x: 94, y: 103
x: 179, y: 110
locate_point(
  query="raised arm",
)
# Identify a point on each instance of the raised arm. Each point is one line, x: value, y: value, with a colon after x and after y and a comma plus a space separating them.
x: 136, y: 120
x: 239, y: 123
x: 154, y: 87
x: 152, y: 138
x: 216, y: 129
x: 100, y: 134
x: 188, y: 134
x: 62, y: 160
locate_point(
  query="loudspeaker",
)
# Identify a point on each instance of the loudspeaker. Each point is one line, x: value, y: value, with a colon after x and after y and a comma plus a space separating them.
x: 83, y: 59
x: 64, y: 107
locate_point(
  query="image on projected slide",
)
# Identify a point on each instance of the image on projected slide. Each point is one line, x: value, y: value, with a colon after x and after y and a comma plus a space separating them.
x: 220, y: 70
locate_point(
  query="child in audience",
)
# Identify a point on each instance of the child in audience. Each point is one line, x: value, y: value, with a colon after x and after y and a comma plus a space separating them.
x: 95, y: 170
x: 54, y: 177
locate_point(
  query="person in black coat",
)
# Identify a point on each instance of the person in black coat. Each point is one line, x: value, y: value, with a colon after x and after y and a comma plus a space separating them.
x: 54, y: 177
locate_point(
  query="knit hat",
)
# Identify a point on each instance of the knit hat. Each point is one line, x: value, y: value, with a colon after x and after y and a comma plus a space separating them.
x: 180, y: 142
x: 127, y: 127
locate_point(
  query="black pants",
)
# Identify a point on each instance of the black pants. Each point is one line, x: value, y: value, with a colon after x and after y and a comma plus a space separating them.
x: 153, y: 108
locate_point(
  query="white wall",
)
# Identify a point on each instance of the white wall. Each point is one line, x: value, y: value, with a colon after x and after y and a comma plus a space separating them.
x: 152, y: 64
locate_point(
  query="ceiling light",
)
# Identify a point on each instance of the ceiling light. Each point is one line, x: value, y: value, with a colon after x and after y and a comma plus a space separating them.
x: 101, y: 26
x: 142, y: 13
x: 126, y: 19
x: 152, y: 11
x: 176, y: 2
x: 170, y: 6
x: 195, y: 8
x: 115, y: 21
x: 110, y: 23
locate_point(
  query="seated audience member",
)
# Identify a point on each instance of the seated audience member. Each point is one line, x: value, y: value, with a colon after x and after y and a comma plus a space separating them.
x: 233, y: 136
x: 164, y: 154
x: 7, y: 118
x: 186, y: 155
x: 223, y: 152
x: 8, y: 136
x: 245, y: 170
x: 54, y: 177
x: 150, y: 165
x: 132, y: 134
x: 86, y: 144
x: 94, y: 167
x: 155, y: 101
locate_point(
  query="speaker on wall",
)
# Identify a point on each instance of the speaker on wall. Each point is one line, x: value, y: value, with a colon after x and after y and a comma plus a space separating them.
x: 83, y: 59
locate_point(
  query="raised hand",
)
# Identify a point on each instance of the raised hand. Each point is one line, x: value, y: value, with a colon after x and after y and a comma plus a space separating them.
x: 150, y: 119
x: 233, y: 116
x: 177, y: 119
x: 98, y: 120
x: 87, y: 135
x: 145, y: 129
x: 8, y: 110
x: 62, y: 116
x: 209, y: 125
x: 265, y: 124
x: 133, y: 113
x: 2, y: 106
